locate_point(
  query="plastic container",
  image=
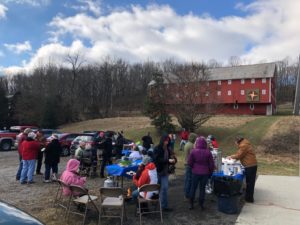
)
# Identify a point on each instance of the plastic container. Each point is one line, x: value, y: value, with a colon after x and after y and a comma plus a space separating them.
x: 228, y: 205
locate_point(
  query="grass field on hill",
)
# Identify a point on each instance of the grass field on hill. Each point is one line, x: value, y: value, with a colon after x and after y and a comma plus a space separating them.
x: 255, y: 128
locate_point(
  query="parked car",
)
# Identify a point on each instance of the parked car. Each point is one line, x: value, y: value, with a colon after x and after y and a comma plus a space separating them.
x: 11, y: 215
x: 65, y: 140
x: 48, y: 132
x: 89, y: 138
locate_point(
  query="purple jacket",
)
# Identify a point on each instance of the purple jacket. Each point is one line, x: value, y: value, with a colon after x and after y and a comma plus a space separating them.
x: 200, y: 159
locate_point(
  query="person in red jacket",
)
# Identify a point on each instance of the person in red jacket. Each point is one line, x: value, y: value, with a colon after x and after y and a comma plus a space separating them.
x: 184, y: 135
x: 29, y: 151
x: 146, y: 174
x: 20, y: 138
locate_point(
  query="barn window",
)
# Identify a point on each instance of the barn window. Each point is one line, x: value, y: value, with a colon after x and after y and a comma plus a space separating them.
x: 263, y: 80
x: 207, y: 83
x: 219, y: 82
x: 219, y: 93
x: 206, y: 93
x: 229, y: 92
x: 251, y: 106
x: 177, y: 95
x: 263, y: 91
x: 242, y: 92
x: 252, y: 81
x: 242, y: 81
x: 229, y: 82
x: 235, y: 106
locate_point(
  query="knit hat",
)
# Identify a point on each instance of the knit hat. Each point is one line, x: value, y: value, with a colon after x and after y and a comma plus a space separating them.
x: 31, y: 135
x: 146, y: 160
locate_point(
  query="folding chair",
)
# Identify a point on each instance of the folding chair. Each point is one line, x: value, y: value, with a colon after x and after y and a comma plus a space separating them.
x: 85, y: 199
x: 110, y: 200
x: 61, y: 200
x: 154, y: 202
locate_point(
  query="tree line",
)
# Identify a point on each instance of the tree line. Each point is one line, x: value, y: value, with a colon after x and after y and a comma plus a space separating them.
x: 53, y: 95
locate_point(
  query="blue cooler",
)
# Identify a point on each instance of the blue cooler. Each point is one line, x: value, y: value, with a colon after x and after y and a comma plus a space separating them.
x: 228, y: 204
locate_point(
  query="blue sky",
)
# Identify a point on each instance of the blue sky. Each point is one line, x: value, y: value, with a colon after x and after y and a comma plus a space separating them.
x: 41, y: 31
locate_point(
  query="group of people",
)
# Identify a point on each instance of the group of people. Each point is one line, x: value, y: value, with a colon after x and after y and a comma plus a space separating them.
x: 154, y: 169
x: 32, y: 147
x: 199, y: 166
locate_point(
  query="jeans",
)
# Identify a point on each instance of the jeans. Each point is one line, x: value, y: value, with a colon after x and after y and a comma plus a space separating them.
x: 135, y: 194
x: 187, y: 181
x: 27, y: 170
x: 164, y: 185
x: 18, y: 176
x: 48, y: 167
x: 201, y: 180
x: 182, y: 144
x: 250, y: 173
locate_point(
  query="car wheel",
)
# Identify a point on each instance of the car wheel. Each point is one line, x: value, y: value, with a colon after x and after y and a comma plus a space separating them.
x: 65, y: 151
x: 5, y: 145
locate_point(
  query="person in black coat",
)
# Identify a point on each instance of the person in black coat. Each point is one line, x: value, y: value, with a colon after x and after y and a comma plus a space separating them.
x: 163, y: 157
x: 52, y: 156
x: 147, y: 141
x: 107, y: 154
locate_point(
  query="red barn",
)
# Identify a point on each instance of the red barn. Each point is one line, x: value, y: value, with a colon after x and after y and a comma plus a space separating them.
x: 247, y: 89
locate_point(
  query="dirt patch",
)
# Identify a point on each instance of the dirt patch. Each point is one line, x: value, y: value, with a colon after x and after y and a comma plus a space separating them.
x: 282, y: 138
x: 38, y: 198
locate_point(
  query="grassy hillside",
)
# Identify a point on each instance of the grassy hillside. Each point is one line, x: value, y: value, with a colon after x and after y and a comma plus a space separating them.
x: 224, y: 128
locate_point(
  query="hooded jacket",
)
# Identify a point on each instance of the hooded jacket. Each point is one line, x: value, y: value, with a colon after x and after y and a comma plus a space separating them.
x: 189, y: 146
x: 245, y: 154
x: 148, y: 176
x: 200, y: 159
x: 70, y: 176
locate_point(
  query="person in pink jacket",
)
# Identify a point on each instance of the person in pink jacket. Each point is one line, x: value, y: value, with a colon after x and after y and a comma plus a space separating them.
x: 71, y: 177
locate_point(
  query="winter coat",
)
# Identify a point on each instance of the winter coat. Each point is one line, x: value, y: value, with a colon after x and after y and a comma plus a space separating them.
x: 135, y: 155
x: 200, y: 159
x: 30, y: 149
x: 52, y: 152
x: 245, y: 154
x: 107, y: 148
x: 148, y: 176
x: 189, y: 146
x: 71, y: 177
x: 159, y: 156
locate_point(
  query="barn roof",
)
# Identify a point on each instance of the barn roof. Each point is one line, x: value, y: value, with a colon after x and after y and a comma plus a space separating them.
x: 264, y: 70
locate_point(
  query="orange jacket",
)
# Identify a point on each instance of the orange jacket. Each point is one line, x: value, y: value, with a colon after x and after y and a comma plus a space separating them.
x: 245, y: 154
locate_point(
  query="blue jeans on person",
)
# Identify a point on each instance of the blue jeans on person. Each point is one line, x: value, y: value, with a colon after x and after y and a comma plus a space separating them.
x: 201, y: 180
x: 164, y: 186
x: 48, y: 167
x: 27, y: 170
x: 18, y: 176
x: 187, y: 181
x: 135, y: 194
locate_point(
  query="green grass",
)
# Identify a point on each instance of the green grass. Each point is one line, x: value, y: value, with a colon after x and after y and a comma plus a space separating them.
x: 253, y: 130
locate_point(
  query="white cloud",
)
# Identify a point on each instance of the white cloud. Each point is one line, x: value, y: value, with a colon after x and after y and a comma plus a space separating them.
x: 269, y: 32
x: 29, y: 2
x: 3, y: 10
x: 19, y: 48
x: 93, y: 6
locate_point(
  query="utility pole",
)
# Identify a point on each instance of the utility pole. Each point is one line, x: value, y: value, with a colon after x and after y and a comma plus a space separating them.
x: 297, y: 94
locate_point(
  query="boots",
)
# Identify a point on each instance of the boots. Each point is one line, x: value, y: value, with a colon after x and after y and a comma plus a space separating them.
x: 191, y: 204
